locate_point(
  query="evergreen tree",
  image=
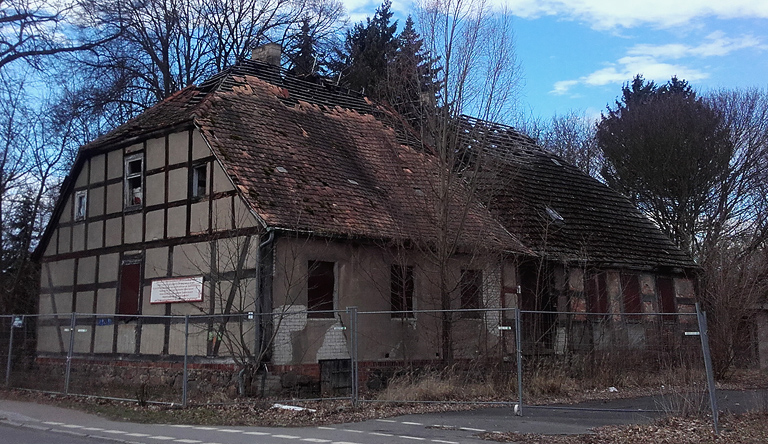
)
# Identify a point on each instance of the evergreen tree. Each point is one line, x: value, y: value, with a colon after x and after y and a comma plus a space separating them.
x: 412, y: 76
x: 666, y: 149
x: 362, y: 63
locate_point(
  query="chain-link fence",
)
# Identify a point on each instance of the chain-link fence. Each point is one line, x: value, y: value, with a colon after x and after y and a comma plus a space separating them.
x: 499, y: 356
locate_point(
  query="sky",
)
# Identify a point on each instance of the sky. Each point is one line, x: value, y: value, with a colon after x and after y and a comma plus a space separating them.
x: 575, y: 55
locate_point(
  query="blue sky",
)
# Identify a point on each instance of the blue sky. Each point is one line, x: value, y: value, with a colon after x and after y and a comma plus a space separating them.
x: 576, y: 54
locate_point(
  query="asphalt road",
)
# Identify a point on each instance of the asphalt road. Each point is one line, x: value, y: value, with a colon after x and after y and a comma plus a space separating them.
x: 23, y: 422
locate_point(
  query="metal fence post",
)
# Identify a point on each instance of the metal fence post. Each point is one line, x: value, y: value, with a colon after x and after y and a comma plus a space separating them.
x: 72, y: 324
x: 702, y: 318
x: 186, y: 363
x: 10, y: 356
x: 353, y: 353
x: 519, y: 353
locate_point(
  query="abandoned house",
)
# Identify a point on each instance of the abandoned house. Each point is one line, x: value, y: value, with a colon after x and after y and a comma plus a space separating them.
x: 260, y: 193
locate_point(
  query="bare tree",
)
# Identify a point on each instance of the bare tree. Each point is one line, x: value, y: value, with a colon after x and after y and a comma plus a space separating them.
x: 475, y: 49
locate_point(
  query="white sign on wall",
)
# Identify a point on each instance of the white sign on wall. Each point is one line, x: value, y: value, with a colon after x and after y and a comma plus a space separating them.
x: 186, y: 289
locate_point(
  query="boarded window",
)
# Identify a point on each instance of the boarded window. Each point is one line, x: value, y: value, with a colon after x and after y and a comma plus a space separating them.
x: 81, y: 204
x: 471, y: 286
x: 401, y: 291
x: 130, y: 289
x: 134, y: 180
x: 666, y: 289
x: 597, y: 293
x: 199, y: 181
x: 321, y: 285
x: 630, y: 288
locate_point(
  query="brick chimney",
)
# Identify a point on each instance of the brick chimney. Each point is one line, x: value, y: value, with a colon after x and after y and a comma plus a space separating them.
x: 269, y: 53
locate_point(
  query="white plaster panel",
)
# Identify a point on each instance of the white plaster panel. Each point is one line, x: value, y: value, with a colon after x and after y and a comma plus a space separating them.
x: 86, y: 270
x: 66, y: 213
x: 96, y: 201
x: 152, y: 339
x: 50, y: 249
x: 198, y: 340
x: 243, y: 216
x: 177, y: 221
x: 134, y: 148
x: 45, y: 304
x: 115, y: 198
x: 103, y: 338
x: 133, y: 228
x: 199, y: 217
x: 108, y: 267
x: 151, y: 309
x: 106, y: 302
x: 177, y: 184
x: 229, y: 250
x: 114, y: 164
x: 114, y: 231
x: 78, y: 237
x: 48, y: 340
x: 221, y: 182
x: 84, y: 302
x: 65, y: 241
x: 156, y: 263
x: 82, y: 176
x: 154, y: 227
x: 126, y: 337
x: 95, y: 234
x: 178, y: 145
x: 200, y: 149
x: 61, y: 273
x: 191, y: 259
x: 222, y: 214
x: 97, y: 168
x: 155, y: 184
x: 62, y: 303
x: 155, y: 153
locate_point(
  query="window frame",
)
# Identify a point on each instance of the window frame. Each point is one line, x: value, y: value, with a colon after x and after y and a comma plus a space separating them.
x: 128, y: 177
x: 196, y: 175
x: 129, y: 307
x: 323, y: 309
x: 632, y: 296
x: 81, y: 205
x: 596, y: 295
x: 666, y: 295
x: 471, y: 292
x: 401, y: 291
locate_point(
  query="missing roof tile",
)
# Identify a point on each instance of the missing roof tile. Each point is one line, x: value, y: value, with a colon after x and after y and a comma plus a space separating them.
x: 554, y: 215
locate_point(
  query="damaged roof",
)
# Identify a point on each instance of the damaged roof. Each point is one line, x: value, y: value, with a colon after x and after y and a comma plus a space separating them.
x: 316, y: 158
x: 562, y: 213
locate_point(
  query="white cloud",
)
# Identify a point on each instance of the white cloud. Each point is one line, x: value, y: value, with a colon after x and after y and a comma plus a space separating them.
x: 607, y: 14
x: 660, y: 62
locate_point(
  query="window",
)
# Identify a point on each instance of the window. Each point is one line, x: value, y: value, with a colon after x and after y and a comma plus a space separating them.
x: 630, y: 288
x: 134, y: 180
x: 130, y: 289
x: 597, y: 293
x: 666, y: 289
x: 321, y: 286
x: 81, y: 204
x: 471, y: 286
x: 401, y: 290
x: 199, y: 181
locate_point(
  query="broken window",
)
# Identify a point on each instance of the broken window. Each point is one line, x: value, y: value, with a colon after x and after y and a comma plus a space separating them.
x: 630, y: 288
x: 321, y: 286
x: 134, y: 180
x: 666, y: 288
x: 471, y: 285
x: 401, y: 291
x: 597, y: 294
x: 81, y: 204
x: 200, y: 181
x: 130, y: 289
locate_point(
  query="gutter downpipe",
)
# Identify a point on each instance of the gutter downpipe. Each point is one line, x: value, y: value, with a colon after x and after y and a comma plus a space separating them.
x: 258, y: 297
